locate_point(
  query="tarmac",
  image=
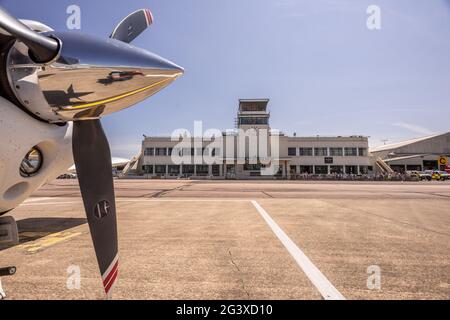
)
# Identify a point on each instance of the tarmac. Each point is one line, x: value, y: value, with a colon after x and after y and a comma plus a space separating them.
x: 187, y: 239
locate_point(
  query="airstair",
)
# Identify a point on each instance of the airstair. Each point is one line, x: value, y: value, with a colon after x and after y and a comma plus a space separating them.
x: 383, y: 166
x: 131, y: 166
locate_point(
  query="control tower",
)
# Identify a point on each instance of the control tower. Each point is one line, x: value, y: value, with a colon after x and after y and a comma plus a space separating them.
x: 253, y: 114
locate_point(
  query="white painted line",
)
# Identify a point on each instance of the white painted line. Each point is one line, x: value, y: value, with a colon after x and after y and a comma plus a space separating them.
x: 37, y: 199
x: 326, y: 289
x: 181, y: 200
x: 138, y: 200
x: 48, y: 203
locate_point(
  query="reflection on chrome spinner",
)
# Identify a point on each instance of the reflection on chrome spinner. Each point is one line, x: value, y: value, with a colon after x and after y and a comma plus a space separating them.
x: 93, y: 77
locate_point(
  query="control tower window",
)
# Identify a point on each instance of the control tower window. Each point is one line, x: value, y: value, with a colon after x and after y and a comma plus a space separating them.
x: 253, y: 108
x: 251, y: 121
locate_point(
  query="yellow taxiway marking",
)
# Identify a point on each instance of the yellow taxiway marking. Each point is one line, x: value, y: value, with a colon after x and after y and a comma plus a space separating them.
x: 47, y: 240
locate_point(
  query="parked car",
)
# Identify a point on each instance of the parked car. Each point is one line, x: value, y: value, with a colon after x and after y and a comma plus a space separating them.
x: 68, y: 176
x: 441, y: 175
x: 423, y: 175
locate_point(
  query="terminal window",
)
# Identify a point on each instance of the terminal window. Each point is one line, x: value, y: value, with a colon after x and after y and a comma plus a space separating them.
x: 321, y: 152
x: 252, y: 167
x: 336, y: 152
x: 364, y: 169
x: 202, y: 170
x: 306, y: 169
x: 215, y: 152
x: 188, y: 169
x: 306, y: 152
x: 216, y: 170
x: 176, y: 151
x: 149, y: 152
x: 362, y: 152
x: 351, y: 169
x: 337, y: 169
x: 351, y: 152
x: 174, y: 170
x: 160, y: 169
x: 161, y: 152
x: 199, y: 151
x: 148, y: 169
x: 292, y: 152
x: 321, y: 169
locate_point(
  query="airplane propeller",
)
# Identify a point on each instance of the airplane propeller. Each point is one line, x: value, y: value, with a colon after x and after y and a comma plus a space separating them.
x: 89, y: 143
x: 94, y: 170
x: 43, y: 49
x: 133, y: 25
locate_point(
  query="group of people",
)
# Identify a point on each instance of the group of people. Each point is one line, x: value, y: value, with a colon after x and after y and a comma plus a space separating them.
x: 353, y: 177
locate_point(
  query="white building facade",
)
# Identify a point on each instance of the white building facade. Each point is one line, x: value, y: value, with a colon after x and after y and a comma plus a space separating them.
x: 253, y: 150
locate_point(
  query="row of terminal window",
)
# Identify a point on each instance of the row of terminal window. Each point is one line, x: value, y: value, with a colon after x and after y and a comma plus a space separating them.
x: 333, y: 169
x: 176, y: 170
x: 328, y: 152
x: 213, y: 152
x: 292, y: 152
x: 215, y: 170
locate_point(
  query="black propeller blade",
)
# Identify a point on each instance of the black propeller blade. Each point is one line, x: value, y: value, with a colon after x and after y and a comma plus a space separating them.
x: 133, y: 25
x: 93, y: 164
x: 42, y: 49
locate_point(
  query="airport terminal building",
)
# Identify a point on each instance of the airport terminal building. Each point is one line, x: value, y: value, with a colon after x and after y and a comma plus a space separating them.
x: 230, y: 155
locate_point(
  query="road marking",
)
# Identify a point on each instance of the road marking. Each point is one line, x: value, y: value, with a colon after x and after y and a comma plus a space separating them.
x: 37, y: 199
x: 183, y: 200
x: 139, y: 200
x: 48, y: 203
x: 46, y: 241
x: 318, y: 279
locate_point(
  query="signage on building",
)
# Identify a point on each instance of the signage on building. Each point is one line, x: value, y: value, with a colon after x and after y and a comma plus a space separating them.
x: 443, y: 161
x: 329, y: 160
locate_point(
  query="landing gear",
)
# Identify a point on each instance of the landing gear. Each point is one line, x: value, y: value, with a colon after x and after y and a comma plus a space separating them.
x: 2, y: 293
x: 9, y: 236
x: 9, y: 271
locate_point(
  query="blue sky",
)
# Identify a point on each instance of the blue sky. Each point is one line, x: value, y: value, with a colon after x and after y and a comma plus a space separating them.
x: 324, y: 71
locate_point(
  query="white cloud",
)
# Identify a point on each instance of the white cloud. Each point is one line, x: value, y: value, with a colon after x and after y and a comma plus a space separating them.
x: 412, y: 127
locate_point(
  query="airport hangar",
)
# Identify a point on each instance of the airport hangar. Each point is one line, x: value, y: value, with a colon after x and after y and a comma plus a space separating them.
x: 297, y: 155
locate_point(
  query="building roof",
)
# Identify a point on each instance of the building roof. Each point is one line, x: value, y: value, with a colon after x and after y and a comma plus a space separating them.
x: 115, y: 161
x: 397, y: 145
x: 254, y: 100
x: 405, y: 157
x: 320, y: 138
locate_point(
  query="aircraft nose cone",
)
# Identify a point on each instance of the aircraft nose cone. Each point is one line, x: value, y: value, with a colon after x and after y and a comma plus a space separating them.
x: 93, y: 52
x: 140, y: 58
x: 95, y: 77
x: 169, y: 65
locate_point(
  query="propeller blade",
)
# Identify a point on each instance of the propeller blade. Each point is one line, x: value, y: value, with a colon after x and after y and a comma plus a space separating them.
x: 93, y: 164
x: 133, y: 25
x: 42, y: 49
